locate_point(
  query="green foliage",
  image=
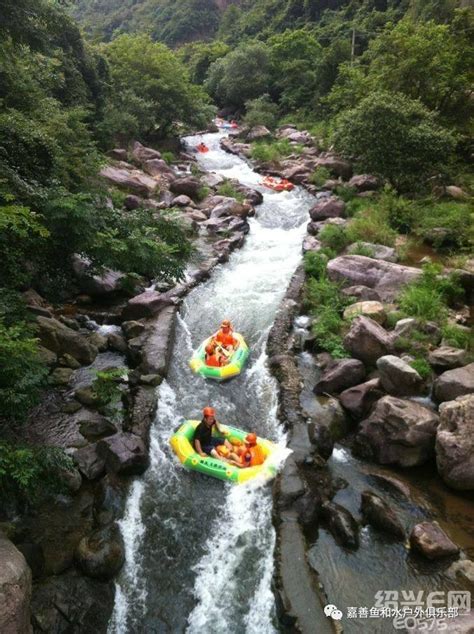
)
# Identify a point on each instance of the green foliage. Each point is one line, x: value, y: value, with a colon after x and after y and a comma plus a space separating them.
x: 422, y: 366
x: 334, y: 237
x: 169, y: 157
x: 457, y: 337
x: 22, y: 373
x: 371, y: 225
x: 320, y: 176
x: 203, y: 192
x: 261, y: 111
x: 198, y: 56
x: 315, y: 264
x: 240, y: 76
x: 107, y: 388
x: 455, y: 218
x: 22, y: 468
x: 273, y: 151
x: 427, y: 298
x: 362, y: 249
x: 227, y: 189
x: 394, y: 137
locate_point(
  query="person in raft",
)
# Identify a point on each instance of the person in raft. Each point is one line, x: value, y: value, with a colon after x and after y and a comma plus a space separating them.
x: 214, y: 355
x: 225, y: 338
x: 248, y: 454
x: 204, y: 442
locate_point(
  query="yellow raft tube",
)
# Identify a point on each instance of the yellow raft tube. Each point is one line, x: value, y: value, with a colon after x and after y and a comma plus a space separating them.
x: 182, y: 444
x: 232, y: 368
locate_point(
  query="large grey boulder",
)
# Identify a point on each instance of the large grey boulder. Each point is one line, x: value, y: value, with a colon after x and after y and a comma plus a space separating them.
x: 359, y: 399
x: 429, y: 539
x: 336, y: 165
x: 157, y: 347
x: 15, y: 590
x: 89, y: 462
x: 147, y: 304
x: 258, y: 133
x: 377, y: 251
x: 367, y: 340
x: 187, y: 185
x: 455, y: 443
x: 133, y: 181
x: 381, y: 515
x: 454, y: 383
x: 124, y: 454
x: 102, y: 553
x: 341, y: 525
x: 398, y: 432
x: 328, y: 208
x: 364, y: 182
x: 58, y: 338
x: 448, y: 358
x: 158, y: 167
x: 397, y: 377
x: 106, y: 283
x: 387, y: 278
x: 340, y: 375
x: 141, y: 154
x: 373, y: 309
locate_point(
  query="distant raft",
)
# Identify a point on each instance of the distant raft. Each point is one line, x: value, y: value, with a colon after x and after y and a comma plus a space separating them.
x: 182, y: 444
x: 225, y: 372
x: 278, y: 184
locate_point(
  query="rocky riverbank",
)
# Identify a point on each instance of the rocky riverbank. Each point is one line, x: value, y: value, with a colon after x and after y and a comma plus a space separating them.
x: 65, y: 552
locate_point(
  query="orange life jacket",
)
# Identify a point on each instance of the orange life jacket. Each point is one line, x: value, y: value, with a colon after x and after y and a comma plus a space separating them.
x: 226, y: 339
x: 253, y: 456
x: 213, y: 360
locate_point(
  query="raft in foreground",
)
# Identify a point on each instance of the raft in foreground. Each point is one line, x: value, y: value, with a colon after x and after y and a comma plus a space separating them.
x: 182, y: 444
x: 228, y: 371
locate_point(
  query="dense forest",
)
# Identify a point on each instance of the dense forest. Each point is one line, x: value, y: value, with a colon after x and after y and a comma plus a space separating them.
x: 387, y: 82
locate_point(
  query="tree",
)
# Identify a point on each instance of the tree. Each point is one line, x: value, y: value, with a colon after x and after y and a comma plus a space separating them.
x: 241, y: 75
x: 394, y: 137
x: 261, y: 111
x: 198, y: 56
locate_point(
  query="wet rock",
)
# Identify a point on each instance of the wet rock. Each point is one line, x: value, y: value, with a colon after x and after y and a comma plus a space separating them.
x: 291, y: 486
x: 117, y: 343
x: 93, y: 426
x: 134, y: 181
x: 257, y: 133
x: 374, y: 310
x: 463, y: 568
x: 87, y: 396
x: 429, y: 539
x: 61, y: 377
x: 358, y: 400
x: 157, y: 348
x: 46, y: 356
x: 362, y: 293
x: 322, y: 438
x: 102, y: 554
x: 310, y: 243
x: 332, y: 417
x: 307, y: 506
x: 72, y: 603
x: 15, y: 590
x: 378, y: 251
x: 392, y: 484
x: 187, y: 185
x: 89, y: 462
x: 367, y: 340
x: 380, y: 515
x: 60, y: 339
x: 454, y: 383
x: 147, y: 304
x: 133, y: 328
x: 182, y: 201
x: 329, y: 208
x: 397, y: 377
x: 455, y: 443
x: 364, y: 182
x: 124, y: 454
x: 99, y: 341
x: 341, y: 524
x: 151, y: 379
x: 119, y: 154
x: 106, y: 283
x: 140, y: 153
x: 231, y: 207
x: 68, y: 361
x: 387, y: 278
x: 337, y: 166
x: 448, y: 358
x: 33, y: 554
x: 399, y: 432
x: 340, y: 375
x: 159, y: 167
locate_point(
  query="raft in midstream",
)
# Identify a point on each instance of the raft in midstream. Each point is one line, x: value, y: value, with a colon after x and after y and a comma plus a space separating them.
x: 232, y: 368
x: 182, y: 444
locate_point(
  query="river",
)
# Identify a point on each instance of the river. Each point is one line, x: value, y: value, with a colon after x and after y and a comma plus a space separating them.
x: 199, y: 553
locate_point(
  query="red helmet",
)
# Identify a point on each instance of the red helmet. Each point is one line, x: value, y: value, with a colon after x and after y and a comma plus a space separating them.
x: 208, y: 411
x: 251, y: 439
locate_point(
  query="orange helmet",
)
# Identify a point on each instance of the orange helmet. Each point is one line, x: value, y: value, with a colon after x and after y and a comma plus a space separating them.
x: 251, y: 439
x: 208, y: 411
x: 210, y: 348
x: 222, y: 450
x: 226, y: 324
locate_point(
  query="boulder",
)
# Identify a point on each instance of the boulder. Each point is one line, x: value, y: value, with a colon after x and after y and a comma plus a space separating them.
x: 429, y: 539
x: 187, y: 185
x: 93, y: 425
x: 141, y: 154
x: 69, y: 362
x: 297, y: 173
x: 377, y: 251
x: 60, y: 339
x: 118, y: 154
x: 380, y: 515
x: 132, y: 202
x: 337, y: 166
x: 47, y: 357
x: 398, y: 432
x: 359, y: 399
x: 211, y: 179
x: 182, y: 201
x: 456, y: 192
x: 231, y: 207
x: 89, y: 463
x: 364, y: 182
x: 117, y: 343
x: 133, y: 181
x: 108, y: 282
x: 387, y: 278
x: 157, y: 349
x: 454, y: 383
x: 147, y: 304
x: 404, y: 328
x: 448, y: 358
x: 15, y: 590
x: 101, y: 554
x: 397, y: 377
x: 61, y: 377
x: 367, y: 340
x: 341, y: 525
x: 158, y: 167
x: 329, y: 208
x: 133, y: 328
x: 310, y: 243
x: 330, y: 416
x: 124, y: 454
x: 339, y: 376
x: 455, y: 443
x: 258, y: 133
x: 362, y: 293
x: 374, y: 310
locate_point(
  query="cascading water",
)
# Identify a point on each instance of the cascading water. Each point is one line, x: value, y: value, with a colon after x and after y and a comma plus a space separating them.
x: 200, y: 552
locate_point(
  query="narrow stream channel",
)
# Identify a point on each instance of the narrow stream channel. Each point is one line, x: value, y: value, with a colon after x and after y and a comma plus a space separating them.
x: 200, y: 552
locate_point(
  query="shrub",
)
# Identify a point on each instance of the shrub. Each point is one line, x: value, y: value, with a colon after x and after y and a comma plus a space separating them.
x: 422, y: 367
x: 401, y: 212
x: 261, y: 111
x: 362, y: 249
x: 227, y: 189
x: 455, y: 218
x: 457, y: 337
x: 315, y: 264
x: 107, y: 388
x: 203, y: 192
x: 169, y: 157
x: 334, y: 237
x: 345, y: 192
x: 371, y: 225
x: 320, y: 176
x: 274, y: 150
